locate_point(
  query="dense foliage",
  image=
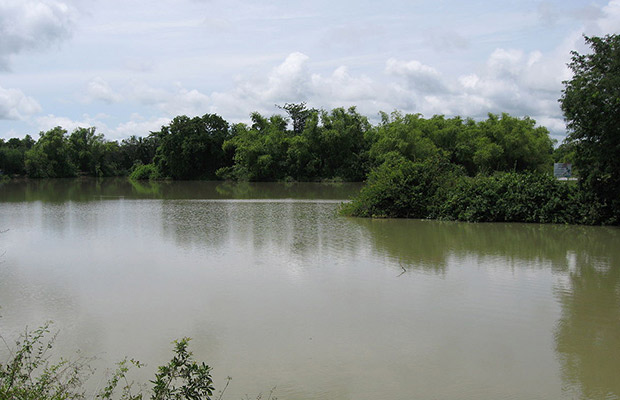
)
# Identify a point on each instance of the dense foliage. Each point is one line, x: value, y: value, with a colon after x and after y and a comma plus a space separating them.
x: 436, y: 188
x: 499, y: 143
x: 191, y: 148
x: 305, y: 145
x: 512, y: 197
x: 401, y: 188
x: 591, y: 106
x: 322, y: 145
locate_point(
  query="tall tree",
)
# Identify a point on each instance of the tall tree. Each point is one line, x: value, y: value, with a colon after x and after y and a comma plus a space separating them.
x: 191, y: 148
x: 591, y: 105
x: 50, y: 157
x: 298, y: 114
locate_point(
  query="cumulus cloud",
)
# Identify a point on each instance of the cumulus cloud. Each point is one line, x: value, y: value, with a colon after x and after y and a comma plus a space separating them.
x: 169, y: 102
x: 513, y: 82
x: 32, y: 24
x: 510, y: 81
x: 343, y: 86
x: 505, y: 64
x: 15, y: 105
x: 421, y: 78
x: 137, y: 126
x: 292, y: 81
x: 610, y: 20
x: 49, y: 121
x: 289, y: 80
x: 99, y: 89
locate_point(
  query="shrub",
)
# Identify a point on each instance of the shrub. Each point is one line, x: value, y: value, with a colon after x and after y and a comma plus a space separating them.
x: 29, y: 374
x: 512, y: 197
x: 400, y: 188
x: 144, y: 172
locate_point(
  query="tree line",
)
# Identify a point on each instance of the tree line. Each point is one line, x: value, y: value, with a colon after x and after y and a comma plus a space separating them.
x: 302, y: 145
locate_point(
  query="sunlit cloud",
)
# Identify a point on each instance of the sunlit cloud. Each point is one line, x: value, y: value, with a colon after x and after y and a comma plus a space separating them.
x: 15, y: 105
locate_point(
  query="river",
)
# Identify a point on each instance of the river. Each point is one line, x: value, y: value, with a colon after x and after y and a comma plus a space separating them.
x: 277, y: 290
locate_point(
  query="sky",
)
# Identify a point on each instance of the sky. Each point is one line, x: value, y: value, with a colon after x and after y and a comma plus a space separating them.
x: 127, y: 67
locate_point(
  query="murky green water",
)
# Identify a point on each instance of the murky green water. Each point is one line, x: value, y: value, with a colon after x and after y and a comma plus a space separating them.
x: 277, y: 290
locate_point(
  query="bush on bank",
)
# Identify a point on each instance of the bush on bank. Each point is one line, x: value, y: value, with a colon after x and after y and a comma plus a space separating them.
x: 30, y: 374
x: 145, y: 172
x: 436, y: 189
x: 512, y: 197
x: 401, y: 188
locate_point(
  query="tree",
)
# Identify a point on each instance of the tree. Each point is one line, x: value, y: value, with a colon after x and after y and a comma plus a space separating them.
x: 50, y: 156
x: 298, y: 114
x: 12, y: 154
x: 138, y: 150
x: 591, y: 105
x: 191, y: 148
x: 92, y: 154
x: 344, y: 144
x: 260, y: 150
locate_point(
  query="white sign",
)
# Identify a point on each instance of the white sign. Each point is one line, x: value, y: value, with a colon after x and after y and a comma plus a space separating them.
x: 562, y: 170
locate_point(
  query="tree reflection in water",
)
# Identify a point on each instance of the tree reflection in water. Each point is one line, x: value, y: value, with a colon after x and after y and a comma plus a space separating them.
x: 588, y: 333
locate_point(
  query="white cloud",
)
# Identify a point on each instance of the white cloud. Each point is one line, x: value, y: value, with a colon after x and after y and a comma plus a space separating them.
x: 548, y: 12
x: 342, y: 86
x: 145, y: 94
x: 137, y: 126
x: 610, y: 20
x: 421, y: 78
x: 505, y: 63
x: 99, y: 89
x: 189, y: 102
x: 510, y: 81
x: 169, y: 102
x: 290, y: 80
x: 293, y: 82
x: 31, y: 24
x: 15, y: 105
x: 49, y: 121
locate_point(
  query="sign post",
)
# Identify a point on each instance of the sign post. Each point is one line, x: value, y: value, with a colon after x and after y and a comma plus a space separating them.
x: 562, y: 170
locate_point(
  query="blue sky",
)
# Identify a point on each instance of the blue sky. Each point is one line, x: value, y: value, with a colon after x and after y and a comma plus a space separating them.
x: 128, y: 67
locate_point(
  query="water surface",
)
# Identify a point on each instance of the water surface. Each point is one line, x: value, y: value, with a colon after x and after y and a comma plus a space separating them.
x: 276, y: 289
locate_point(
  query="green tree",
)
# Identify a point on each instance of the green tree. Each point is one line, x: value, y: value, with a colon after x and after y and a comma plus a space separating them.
x: 298, y: 113
x: 403, y: 135
x: 92, y: 154
x: 344, y: 144
x: 50, y: 157
x: 506, y: 143
x: 260, y: 150
x: 401, y: 188
x: 191, y: 148
x: 591, y: 105
x: 12, y: 155
x: 138, y: 150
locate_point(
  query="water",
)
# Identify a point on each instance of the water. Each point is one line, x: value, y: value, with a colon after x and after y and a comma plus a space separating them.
x: 276, y: 289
